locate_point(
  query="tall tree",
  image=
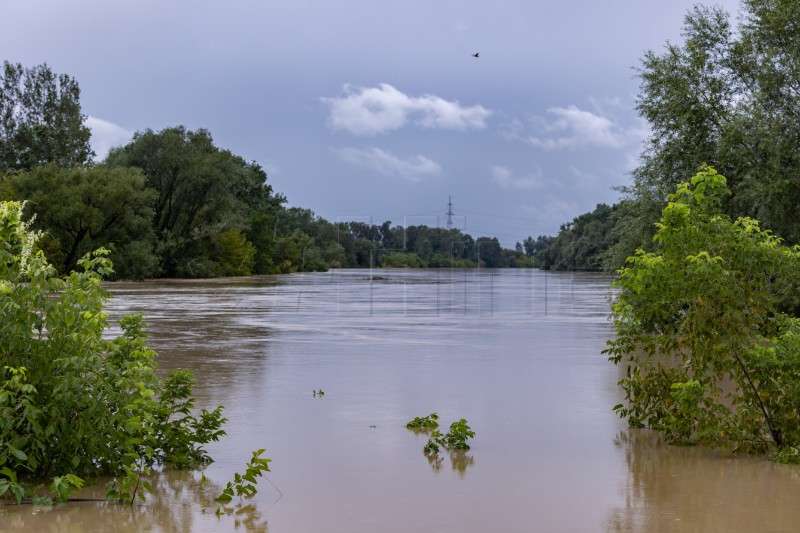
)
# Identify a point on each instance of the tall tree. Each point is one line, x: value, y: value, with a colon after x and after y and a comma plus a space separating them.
x: 40, y: 119
x: 730, y: 99
x: 201, y: 191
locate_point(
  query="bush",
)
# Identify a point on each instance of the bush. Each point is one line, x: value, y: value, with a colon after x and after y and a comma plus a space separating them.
x: 71, y: 401
x: 710, y: 356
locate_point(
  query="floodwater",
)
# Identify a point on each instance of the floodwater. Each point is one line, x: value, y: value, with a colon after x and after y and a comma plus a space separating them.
x: 515, y: 352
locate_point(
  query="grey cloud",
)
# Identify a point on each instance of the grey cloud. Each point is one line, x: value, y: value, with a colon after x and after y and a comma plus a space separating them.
x: 387, y: 164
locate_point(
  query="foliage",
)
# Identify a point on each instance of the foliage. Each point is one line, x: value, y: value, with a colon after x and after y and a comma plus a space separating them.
x: 40, y: 119
x: 455, y: 439
x: 11, y: 485
x: 427, y: 422
x: 83, y: 209
x: 64, y: 485
x: 236, y: 254
x: 132, y: 485
x: 579, y: 245
x: 206, y: 198
x: 710, y: 358
x: 726, y: 98
x: 71, y: 401
x: 244, y: 485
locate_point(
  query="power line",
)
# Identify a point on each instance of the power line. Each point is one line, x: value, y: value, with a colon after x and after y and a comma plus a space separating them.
x: 450, y: 212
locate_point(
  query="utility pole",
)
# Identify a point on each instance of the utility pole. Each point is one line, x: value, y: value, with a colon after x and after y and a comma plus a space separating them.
x: 449, y: 212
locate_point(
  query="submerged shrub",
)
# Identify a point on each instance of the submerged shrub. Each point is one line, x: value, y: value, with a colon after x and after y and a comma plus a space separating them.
x: 71, y: 401
x: 711, y: 357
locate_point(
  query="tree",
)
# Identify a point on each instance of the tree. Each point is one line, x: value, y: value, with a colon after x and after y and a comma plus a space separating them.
x: 727, y: 99
x: 710, y: 358
x: 82, y: 209
x: 202, y: 191
x: 490, y: 253
x: 40, y: 119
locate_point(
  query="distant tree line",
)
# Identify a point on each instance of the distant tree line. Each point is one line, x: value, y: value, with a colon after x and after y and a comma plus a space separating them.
x: 579, y: 245
x: 173, y: 204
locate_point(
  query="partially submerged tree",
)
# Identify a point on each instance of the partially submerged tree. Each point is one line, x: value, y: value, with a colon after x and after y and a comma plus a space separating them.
x: 201, y: 192
x: 710, y: 358
x: 72, y: 402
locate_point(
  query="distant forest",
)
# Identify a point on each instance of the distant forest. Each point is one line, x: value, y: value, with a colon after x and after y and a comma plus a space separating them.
x: 172, y: 204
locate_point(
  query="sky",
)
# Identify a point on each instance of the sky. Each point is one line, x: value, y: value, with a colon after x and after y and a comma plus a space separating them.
x: 370, y: 110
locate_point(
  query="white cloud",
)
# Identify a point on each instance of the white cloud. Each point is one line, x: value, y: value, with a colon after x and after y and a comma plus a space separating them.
x: 506, y: 179
x: 573, y: 127
x: 412, y: 169
x: 106, y: 135
x: 373, y: 110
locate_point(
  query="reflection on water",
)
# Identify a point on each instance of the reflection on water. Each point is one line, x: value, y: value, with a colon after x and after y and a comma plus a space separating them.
x: 673, y: 488
x: 515, y: 352
x: 183, y: 504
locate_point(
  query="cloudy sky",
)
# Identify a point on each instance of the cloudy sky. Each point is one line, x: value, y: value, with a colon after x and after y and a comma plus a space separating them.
x: 371, y: 110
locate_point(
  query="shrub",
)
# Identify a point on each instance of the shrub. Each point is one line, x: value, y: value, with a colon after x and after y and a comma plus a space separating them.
x: 71, y: 401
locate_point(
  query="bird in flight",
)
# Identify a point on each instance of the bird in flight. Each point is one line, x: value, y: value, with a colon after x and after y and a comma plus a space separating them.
x: 476, y: 54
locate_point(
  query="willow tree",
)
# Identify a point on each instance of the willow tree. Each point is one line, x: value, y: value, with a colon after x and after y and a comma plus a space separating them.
x: 710, y: 358
x: 726, y: 95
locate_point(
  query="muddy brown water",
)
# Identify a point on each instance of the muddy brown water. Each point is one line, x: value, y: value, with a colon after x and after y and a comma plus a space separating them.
x: 515, y: 352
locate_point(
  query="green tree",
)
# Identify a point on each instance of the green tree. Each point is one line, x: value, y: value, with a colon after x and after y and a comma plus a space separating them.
x: 82, y: 209
x: 490, y: 253
x: 202, y: 191
x: 709, y: 357
x: 40, y: 119
x: 580, y: 244
x: 725, y: 98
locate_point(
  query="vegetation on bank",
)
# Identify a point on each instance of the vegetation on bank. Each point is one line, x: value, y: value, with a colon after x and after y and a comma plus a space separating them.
x: 710, y: 356
x: 74, y: 404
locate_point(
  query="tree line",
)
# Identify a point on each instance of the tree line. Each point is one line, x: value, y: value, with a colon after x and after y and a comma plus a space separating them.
x: 171, y: 203
x: 725, y: 96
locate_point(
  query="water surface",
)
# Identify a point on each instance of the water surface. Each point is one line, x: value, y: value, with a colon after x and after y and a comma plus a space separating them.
x: 515, y: 352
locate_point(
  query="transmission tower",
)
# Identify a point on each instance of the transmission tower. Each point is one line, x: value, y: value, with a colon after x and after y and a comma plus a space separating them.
x: 449, y: 212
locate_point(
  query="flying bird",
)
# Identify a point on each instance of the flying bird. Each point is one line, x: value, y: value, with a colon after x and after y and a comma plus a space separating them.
x: 476, y: 54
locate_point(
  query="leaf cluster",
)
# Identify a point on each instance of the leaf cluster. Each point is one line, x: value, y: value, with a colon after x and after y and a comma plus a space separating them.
x: 427, y: 422
x: 40, y: 119
x: 244, y: 485
x: 455, y: 439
